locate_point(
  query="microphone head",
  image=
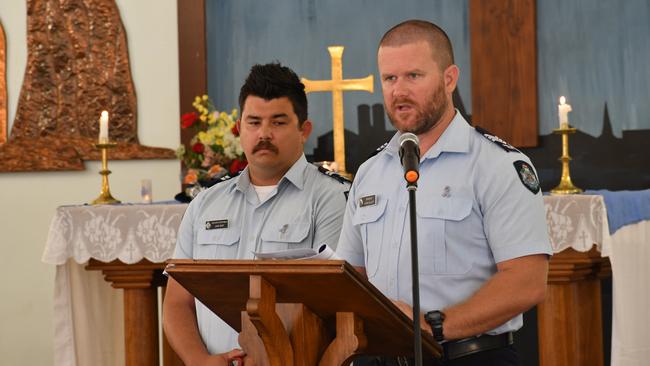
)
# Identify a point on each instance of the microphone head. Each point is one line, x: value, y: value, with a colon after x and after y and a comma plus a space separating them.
x: 407, y: 136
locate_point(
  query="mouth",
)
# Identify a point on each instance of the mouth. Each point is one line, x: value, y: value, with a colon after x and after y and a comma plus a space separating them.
x: 403, y: 107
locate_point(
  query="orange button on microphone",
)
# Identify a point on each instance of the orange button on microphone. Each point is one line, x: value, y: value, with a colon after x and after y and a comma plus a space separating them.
x: 411, y: 176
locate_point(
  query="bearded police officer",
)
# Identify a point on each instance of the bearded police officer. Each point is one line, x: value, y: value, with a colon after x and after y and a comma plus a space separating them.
x: 483, y: 245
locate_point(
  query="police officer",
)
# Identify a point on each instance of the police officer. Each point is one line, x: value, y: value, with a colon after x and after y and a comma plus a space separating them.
x: 279, y: 202
x: 482, y: 239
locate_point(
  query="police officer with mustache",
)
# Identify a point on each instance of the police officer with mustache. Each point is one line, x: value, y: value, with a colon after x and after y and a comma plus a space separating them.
x: 279, y: 202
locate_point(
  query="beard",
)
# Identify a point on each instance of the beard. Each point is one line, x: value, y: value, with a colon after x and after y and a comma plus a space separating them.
x: 427, y: 116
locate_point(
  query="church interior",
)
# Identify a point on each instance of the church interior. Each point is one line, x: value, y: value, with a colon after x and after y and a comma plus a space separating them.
x: 149, y: 62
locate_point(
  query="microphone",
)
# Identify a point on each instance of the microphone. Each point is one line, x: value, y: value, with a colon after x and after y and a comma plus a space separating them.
x: 409, y: 154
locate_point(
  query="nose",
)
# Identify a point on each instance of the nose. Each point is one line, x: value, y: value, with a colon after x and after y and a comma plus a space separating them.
x: 400, y: 88
x: 265, y: 131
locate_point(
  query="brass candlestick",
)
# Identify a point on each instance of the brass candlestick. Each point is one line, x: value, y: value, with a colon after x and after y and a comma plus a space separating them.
x: 565, y: 186
x: 105, y: 196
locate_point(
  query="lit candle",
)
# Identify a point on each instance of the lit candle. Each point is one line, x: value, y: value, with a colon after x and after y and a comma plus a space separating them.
x: 103, y: 128
x: 563, y: 112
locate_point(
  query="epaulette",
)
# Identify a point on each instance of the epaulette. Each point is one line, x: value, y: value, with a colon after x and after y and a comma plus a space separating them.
x: 378, y: 150
x: 334, y: 175
x: 192, y: 191
x: 497, y: 140
x: 207, y: 183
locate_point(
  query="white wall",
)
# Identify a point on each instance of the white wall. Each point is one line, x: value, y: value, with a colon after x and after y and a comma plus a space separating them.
x: 28, y: 200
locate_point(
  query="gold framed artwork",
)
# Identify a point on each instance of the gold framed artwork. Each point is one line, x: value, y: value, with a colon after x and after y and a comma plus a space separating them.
x: 3, y: 86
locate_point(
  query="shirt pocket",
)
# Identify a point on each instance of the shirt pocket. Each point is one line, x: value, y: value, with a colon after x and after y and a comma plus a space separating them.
x: 291, y: 235
x: 438, y: 254
x: 371, y: 226
x: 217, y: 243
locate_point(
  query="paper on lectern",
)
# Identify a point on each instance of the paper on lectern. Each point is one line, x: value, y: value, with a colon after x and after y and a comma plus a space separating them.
x: 323, y: 252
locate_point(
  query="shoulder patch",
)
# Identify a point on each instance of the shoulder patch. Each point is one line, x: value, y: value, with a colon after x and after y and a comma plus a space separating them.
x: 527, y: 176
x: 341, y: 179
x: 497, y: 140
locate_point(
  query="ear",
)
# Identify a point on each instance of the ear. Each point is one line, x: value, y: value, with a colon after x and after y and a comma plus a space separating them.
x: 306, y: 130
x: 238, y: 124
x: 451, y: 78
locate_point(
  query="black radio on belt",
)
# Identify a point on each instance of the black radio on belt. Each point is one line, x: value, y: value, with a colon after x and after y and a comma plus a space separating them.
x: 435, y: 319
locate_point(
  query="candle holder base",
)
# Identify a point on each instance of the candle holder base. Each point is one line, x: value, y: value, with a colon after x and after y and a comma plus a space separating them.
x: 565, y: 186
x: 105, y: 196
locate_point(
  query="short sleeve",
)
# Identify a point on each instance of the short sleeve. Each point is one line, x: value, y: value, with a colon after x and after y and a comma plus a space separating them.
x: 329, y: 216
x: 185, y: 238
x: 350, y: 246
x: 513, y: 210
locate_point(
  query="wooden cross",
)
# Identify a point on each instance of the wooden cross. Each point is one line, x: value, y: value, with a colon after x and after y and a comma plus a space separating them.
x: 337, y: 85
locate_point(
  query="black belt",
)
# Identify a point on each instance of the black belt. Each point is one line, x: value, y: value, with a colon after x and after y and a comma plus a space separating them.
x: 468, y: 346
x: 452, y: 349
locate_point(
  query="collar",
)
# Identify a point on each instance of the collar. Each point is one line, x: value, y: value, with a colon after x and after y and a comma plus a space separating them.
x: 295, y: 175
x: 455, y: 138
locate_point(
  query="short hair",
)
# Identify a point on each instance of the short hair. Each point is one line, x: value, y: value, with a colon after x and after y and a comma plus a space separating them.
x: 271, y: 81
x: 415, y: 30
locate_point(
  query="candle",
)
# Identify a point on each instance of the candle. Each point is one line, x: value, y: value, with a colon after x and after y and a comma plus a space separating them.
x: 563, y: 112
x: 103, y: 128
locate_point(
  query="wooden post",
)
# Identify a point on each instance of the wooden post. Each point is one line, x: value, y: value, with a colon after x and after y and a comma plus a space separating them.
x: 570, y: 319
x: 504, y: 69
x: 191, y: 57
x: 139, y: 282
x: 350, y: 339
x: 261, y: 310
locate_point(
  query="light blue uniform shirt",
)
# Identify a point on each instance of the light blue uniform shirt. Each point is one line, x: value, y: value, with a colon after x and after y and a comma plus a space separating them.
x: 228, y: 221
x: 473, y: 211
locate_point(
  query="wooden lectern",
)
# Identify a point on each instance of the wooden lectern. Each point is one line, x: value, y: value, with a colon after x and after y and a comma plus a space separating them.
x: 302, y: 313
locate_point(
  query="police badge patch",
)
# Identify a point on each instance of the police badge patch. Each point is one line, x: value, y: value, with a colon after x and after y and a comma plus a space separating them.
x: 527, y: 175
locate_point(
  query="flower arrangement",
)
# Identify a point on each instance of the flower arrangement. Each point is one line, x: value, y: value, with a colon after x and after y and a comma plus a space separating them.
x: 214, y: 149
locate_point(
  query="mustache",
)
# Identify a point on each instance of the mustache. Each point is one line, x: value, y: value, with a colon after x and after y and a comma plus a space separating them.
x: 265, y: 145
x: 403, y: 100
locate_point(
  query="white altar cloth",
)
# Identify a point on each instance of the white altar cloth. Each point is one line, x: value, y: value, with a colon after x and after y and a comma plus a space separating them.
x: 84, y: 302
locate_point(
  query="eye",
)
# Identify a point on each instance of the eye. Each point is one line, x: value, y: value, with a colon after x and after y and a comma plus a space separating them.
x: 279, y: 123
x: 253, y: 123
x: 414, y: 75
x: 389, y: 78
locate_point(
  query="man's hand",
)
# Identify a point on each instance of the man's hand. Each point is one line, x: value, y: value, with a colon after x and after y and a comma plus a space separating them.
x: 408, y: 310
x: 236, y: 357
x: 179, y: 321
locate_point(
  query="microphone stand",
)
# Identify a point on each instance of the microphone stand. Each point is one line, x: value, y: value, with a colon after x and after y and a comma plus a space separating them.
x: 415, y: 274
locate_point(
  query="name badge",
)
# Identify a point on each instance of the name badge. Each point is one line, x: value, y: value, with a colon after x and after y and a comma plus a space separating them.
x: 216, y: 224
x: 368, y: 201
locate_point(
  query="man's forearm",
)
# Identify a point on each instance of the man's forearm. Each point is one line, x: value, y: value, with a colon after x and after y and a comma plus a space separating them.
x: 509, y: 292
x: 181, y: 329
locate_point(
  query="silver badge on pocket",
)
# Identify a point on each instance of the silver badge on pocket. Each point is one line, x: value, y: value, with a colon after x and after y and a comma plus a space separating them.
x: 368, y: 201
x: 216, y: 224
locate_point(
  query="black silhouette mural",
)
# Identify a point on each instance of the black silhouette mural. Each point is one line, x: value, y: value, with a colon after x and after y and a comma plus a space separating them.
x: 603, y: 162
